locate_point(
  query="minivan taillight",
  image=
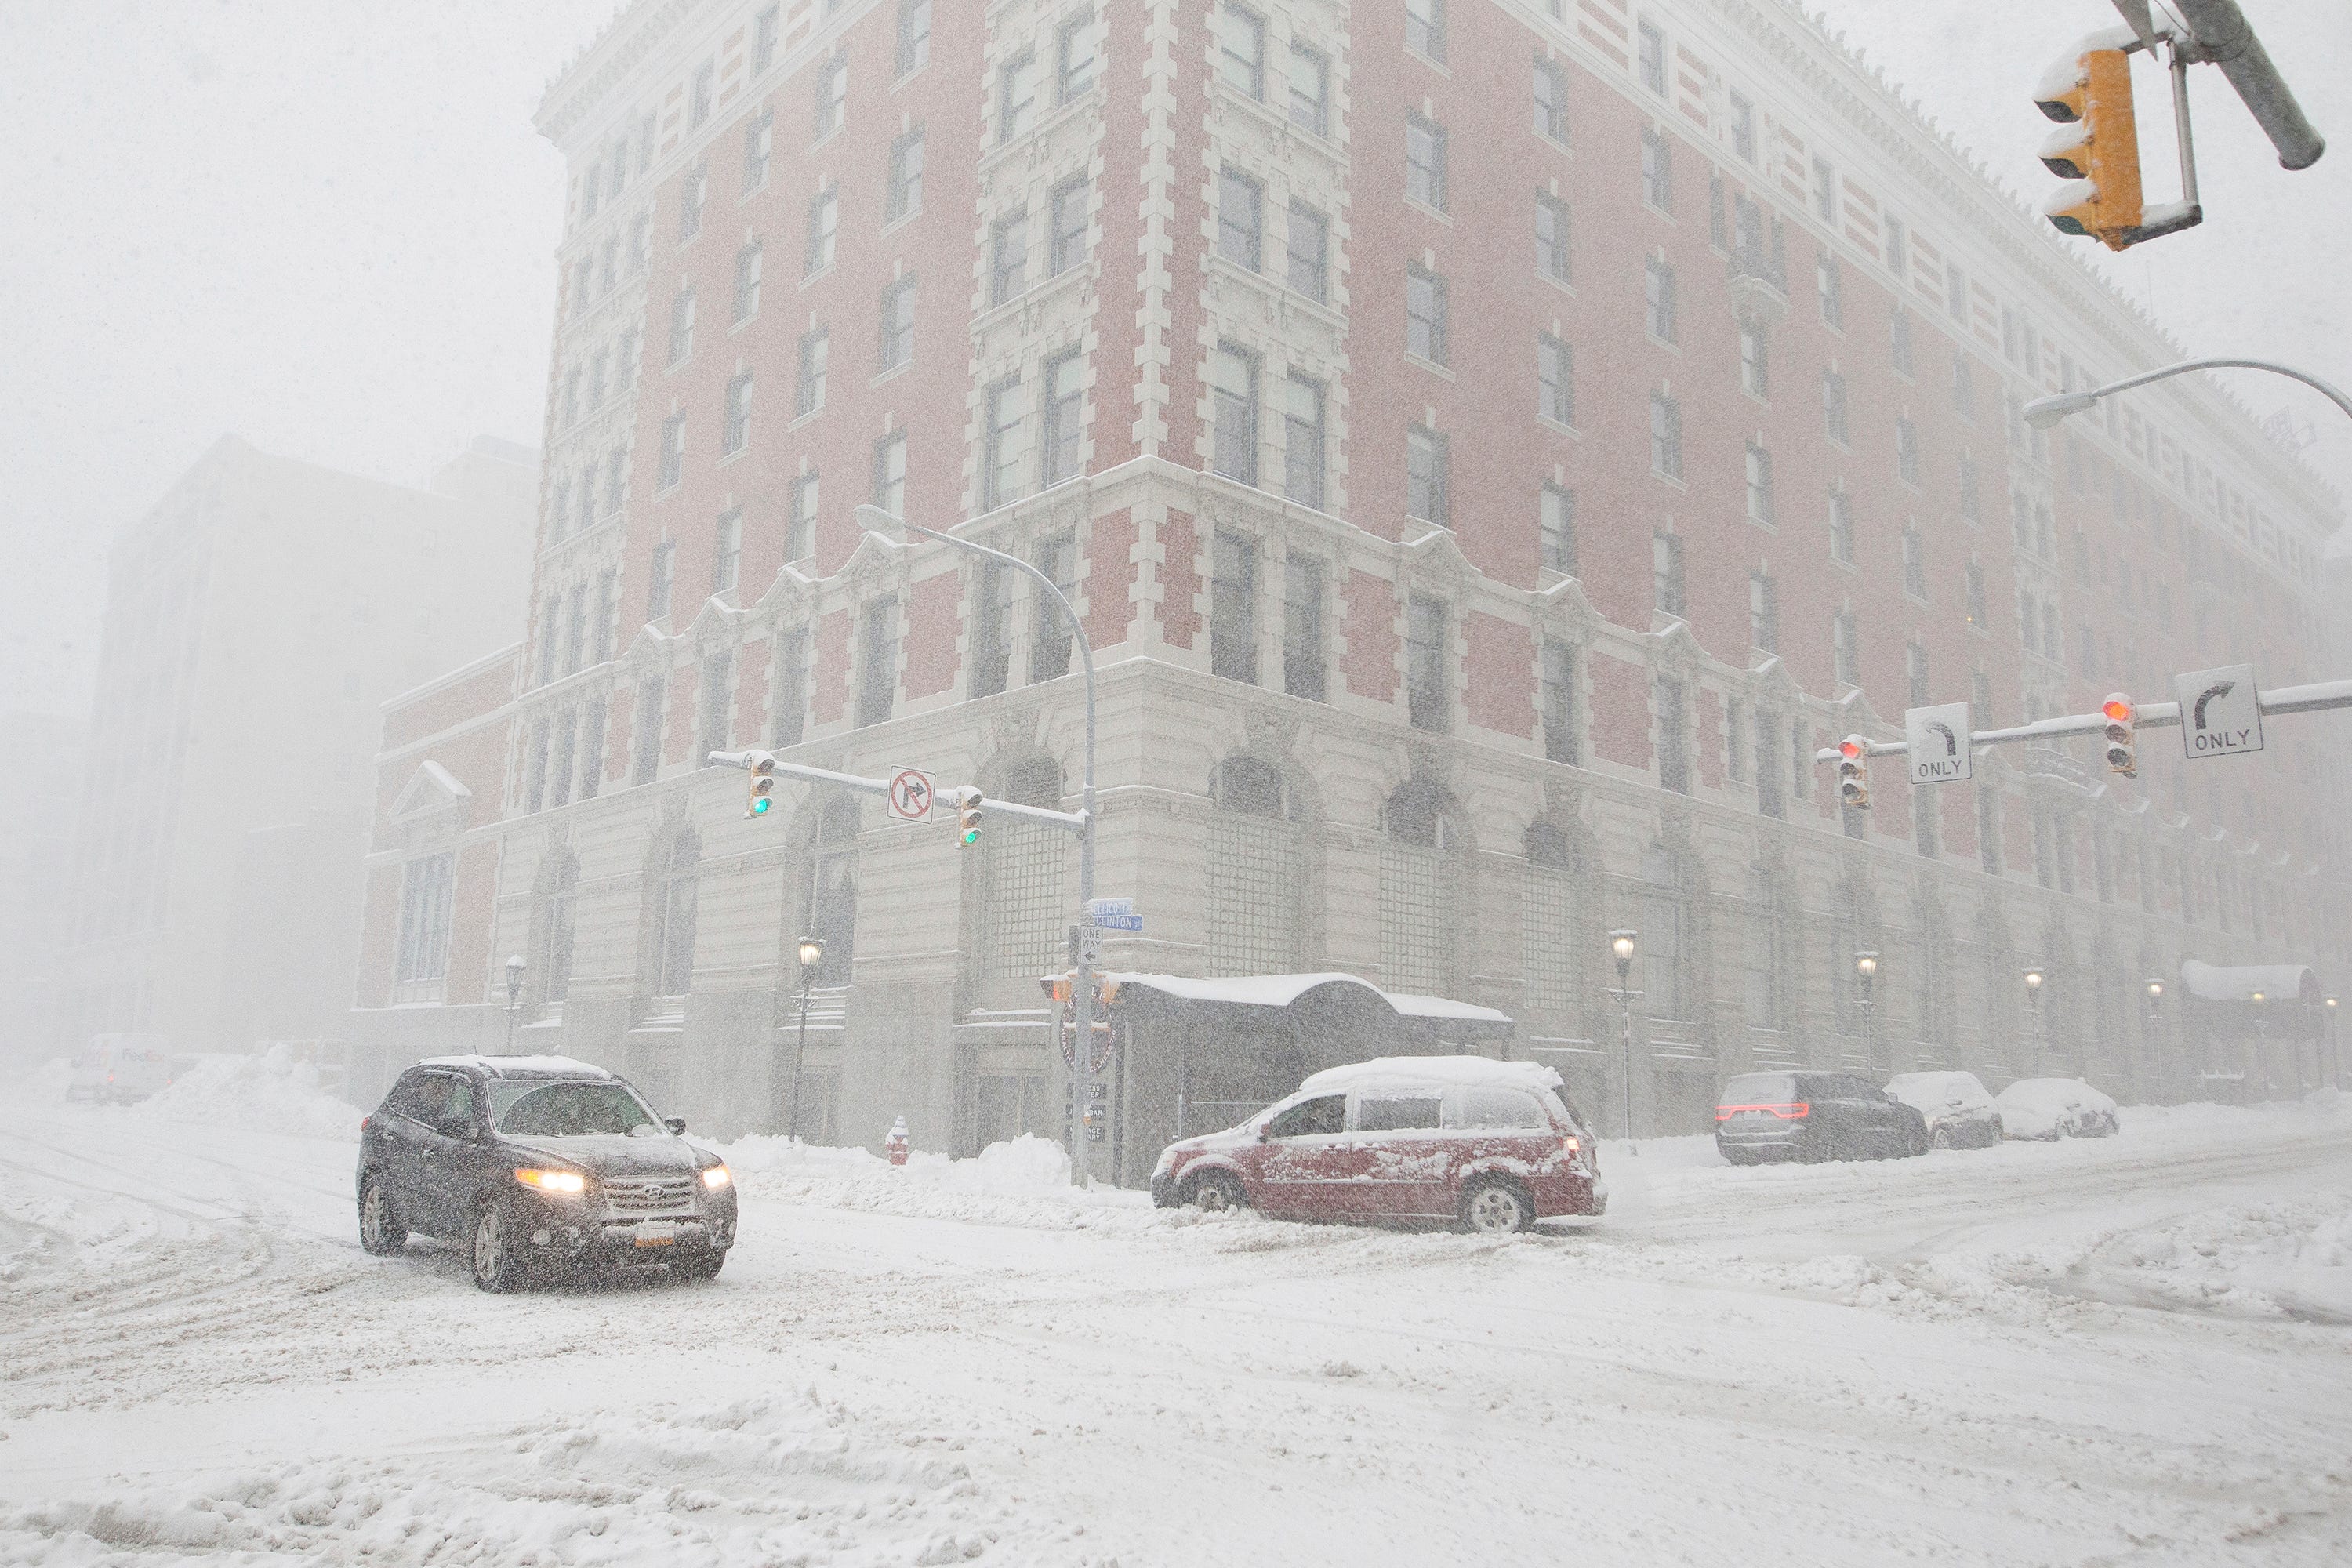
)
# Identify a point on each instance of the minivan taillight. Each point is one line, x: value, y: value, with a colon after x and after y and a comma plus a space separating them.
x: 1797, y: 1111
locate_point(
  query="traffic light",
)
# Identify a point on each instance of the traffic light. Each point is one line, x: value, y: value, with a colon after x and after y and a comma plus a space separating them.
x: 759, y: 794
x: 2122, y: 718
x: 967, y: 818
x: 2097, y: 153
x: 1854, y: 772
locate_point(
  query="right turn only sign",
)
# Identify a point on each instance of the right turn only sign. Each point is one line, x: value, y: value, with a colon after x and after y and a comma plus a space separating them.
x: 2221, y: 712
x: 1939, y: 741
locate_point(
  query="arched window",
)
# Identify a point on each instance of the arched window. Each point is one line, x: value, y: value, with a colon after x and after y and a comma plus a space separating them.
x: 1664, y: 948
x: 832, y: 888
x: 559, y: 885
x: 1026, y: 897
x: 1254, y: 872
x: 1549, y: 947
x: 1417, y: 882
x: 675, y: 884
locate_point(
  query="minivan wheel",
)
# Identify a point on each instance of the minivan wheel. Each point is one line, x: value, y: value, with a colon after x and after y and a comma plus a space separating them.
x: 1214, y: 1192
x: 497, y: 1267
x: 1496, y: 1207
x: 1942, y: 1140
x: 381, y: 1235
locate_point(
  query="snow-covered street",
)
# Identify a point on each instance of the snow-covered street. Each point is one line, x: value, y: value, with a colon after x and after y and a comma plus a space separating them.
x: 2136, y: 1350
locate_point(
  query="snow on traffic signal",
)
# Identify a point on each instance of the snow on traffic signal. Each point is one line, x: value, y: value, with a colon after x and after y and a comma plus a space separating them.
x: 2122, y: 722
x: 2097, y: 152
x: 1853, y: 770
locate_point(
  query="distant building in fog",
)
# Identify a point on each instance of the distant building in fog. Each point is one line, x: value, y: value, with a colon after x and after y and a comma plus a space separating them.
x: 256, y: 620
x: 40, y: 776
x: 1494, y: 446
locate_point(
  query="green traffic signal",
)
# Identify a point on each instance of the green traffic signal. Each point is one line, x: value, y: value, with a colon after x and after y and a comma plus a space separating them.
x: 760, y: 807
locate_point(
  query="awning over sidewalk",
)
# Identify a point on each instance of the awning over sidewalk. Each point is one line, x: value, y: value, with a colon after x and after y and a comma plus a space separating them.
x: 1453, y: 1020
x: 2238, y: 982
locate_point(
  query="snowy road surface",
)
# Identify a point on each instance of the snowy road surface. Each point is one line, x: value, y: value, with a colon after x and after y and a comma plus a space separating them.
x: 2136, y: 1350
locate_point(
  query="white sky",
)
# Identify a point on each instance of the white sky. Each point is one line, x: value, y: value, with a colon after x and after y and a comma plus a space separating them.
x: 328, y: 228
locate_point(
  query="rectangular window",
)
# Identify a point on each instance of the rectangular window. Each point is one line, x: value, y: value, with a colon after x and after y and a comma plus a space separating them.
x: 905, y: 197
x: 1016, y: 97
x: 608, y: 616
x: 1008, y: 258
x: 1735, y: 740
x: 575, y: 639
x: 788, y: 709
x: 1068, y: 244
x: 913, y: 35
x: 1800, y: 760
x: 715, y: 720
x: 747, y: 281
x: 427, y: 895
x: 1008, y: 405
x: 1666, y: 436
x: 1302, y: 440
x: 1554, y: 380
x: 658, y: 580
x: 1760, y: 485
x: 698, y: 96
x: 808, y: 392
x: 1976, y: 583
x: 1232, y: 607
x: 1074, y: 57
x: 800, y: 528
x: 547, y: 613
x: 1915, y: 666
x: 767, y: 32
x: 673, y: 452
x: 1825, y: 204
x: 1763, y: 612
x: 1310, y: 89
x: 735, y: 431
x: 1743, y: 128
x: 1424, y: 161
x: 759, y: 147
x: 1240, y: 50
x: 1307, y: 242
x: 681, y: 326
x: 1658, y: 290
x: 1829, y: 280
x: 991, y: 629
x: 890, y: 473
x: 1755, y: 364
x: 1845, y: 657
x: 1834, y: 420
x: 1768, y: 764
x: 1550, y: 100
x: 1666, y: 573
x: 1898, y: 340
x: 1301, y: 627
x: 1915, y: 563
x: 1956, y: 293
x: 1429, y: 697
x: 1556, y: 529
x: 1233, y: 376
x: 1065, y: 414
x: 1427, y: 481
x: 1551, y: 236
x: 1898, y: 248
x: 1651, y: 57
x: 1049, y: 644
x: 1657, y: 172
x: 1971, y: 500
x: 1559, y: 701
x: 1674, y: 736
x: 898, y: 316
x: 877, y: 662
x: 653, y: 697
x: 1424, y: 315
x: 1842, y: 528
x: 1241, y: 218
x: 1425, y: 27
x: 823, y: 219
x: 1964, y: 386
x: 831, y: 97
x: 1907, y: 449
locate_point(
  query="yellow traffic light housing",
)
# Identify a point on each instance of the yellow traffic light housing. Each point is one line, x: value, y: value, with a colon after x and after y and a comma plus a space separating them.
x: 759, y: 793
x: 2097, y: 153
x: 1854, y: 772
x: 2123, y: 723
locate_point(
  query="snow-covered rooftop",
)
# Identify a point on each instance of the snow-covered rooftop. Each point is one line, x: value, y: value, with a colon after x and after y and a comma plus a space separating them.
x: 1282, y: 989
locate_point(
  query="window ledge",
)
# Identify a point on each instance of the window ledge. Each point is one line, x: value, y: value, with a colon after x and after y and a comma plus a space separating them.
x: 1417, y: 204
x: 1657, y: 341
x: 896, y: 371
x: 1556, y: 428
x: 809, y: 278
x: 1430, y: 366
x: 1431, y: 61
x: 750, y: 191
x: 912, y: 74
x: 903, y: 219
x: 726, y: 457
x: 803, y: 419
x: 743, y: 322
x: 1562, y: 284
x: 1666, y: 479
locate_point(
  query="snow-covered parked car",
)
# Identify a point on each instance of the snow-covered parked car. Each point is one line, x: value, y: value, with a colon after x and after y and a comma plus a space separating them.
x: 1493, y: 1146
x: 539, y: 1163
x: 1957, y: 1108
x: 2053, y: 1108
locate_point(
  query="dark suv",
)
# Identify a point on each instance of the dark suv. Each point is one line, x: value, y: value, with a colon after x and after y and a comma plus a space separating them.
x: 1813, y: 1116
x: 540, y: 1165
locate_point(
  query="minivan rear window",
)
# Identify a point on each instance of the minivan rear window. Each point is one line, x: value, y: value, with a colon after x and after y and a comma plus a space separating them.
x: 1396, y: 1114
x: 1499, y: 1108
x: 1760, y: 1089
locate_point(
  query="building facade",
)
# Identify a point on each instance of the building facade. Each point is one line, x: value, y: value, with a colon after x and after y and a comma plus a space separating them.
x: 36, y: 819
x: 1492, y: 446
x: 256, y: 620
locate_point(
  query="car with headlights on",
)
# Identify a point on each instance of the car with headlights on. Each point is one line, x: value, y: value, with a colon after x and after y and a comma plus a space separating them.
x: 539, y: 1167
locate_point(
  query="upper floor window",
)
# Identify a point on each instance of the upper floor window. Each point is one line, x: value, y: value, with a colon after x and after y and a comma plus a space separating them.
x: 759, y: 147
x: 877, y: 661
x: 823, y: 221
x: 904, y: 193
x: 1898, y: 340
x: 1825, y: 201
x: 1666, y: 573
x: 673, y: 450
x: 700, y: 95
x: 1074, y: 57
x: 1424, y: 159
x: 1554, y: 380
x: 735, y: 431
x: 1666, y: 436
x: 1830, y: 280
x: 1429, y: 694
x: 808, y: 393
x: 1658, y: 291
x: 890, y: 473
x: 1008, y: 258
x: 1651, y: 57
x: 1427, y: 479
x: 1240, y: 50
x: 1233, y: 380
x: 1755, y: 362
x: 659, y: 579
x: 1068, y: 244
x: 1424, y: 315
x: 1241, y: 218
x: 914, y: 34
x: 1306, y: 243
x: 1302, y: 440
x: 1897, y: 250
x: 898, y: 345
x: 1657, y: 172
x: 1310, y: 88
x: 1760, y: 485
x: 1008, y: 406
x: 1065, y: 403
x: 1556, y: 529
x: 767, y: 33
x: 1834, y: 418
x: 1743, y: 128
x: 747, y: 281
x: 800, y: 523
x: 1550, y: 100
x: 1425, y: 27
x: 1842, y: 528
x: 1016, y: 97
x: 1302, y: 625
x: 1233, y: 606
x: 1763, y: 612
x: 1907, y: 449
x: 691, y: 193
x: 1559, y: 701
x: 1914, y: 562
x: 831, y: 97
x: 1551, y: 236
x: 1845, y: 657
x: 727, y: 552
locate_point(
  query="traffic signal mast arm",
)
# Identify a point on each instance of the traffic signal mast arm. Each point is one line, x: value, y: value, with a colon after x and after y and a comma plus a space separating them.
x: 2310, y: 698
x: 1072, y: 821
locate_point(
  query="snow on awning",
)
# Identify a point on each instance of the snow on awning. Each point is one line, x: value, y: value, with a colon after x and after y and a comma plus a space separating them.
x: 2238, y: 982
x: 1282, y: 989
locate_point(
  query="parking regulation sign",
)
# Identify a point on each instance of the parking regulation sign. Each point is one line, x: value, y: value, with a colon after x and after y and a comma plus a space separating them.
x: 911, y: 795
x: 1938, y: 739
x: 2221, y: 712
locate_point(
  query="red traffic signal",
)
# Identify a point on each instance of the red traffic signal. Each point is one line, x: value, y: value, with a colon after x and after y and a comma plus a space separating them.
x: 2123, y: 723
x: 1854, y: 772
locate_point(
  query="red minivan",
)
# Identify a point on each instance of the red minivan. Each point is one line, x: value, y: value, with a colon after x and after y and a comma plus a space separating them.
x: 1491, y: 1146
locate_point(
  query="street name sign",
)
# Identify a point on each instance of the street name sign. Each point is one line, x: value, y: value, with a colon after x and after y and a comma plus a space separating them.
x: 2221, y: 712
x: 909, y: 797
x: 1114, y: 914
x: 1937, y: 741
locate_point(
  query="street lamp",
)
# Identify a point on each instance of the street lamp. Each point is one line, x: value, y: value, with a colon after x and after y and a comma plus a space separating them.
x: 1865, y: 965
x: 873, y: 520
x: 2044, y: 412
x: 2335, y: 1063
x: 514, y: 998
x: 811, y: 954
x: 2033, y: 1000
x: 2261, y: 1040
x: 2152, y: 1017
x: 1620, y: 947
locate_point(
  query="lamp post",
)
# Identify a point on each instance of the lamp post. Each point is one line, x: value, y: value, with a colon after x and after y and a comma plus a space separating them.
x: 1621, y: 948
x: 2033, y: 1003
x: 2335, y: 1062
x: 2261, y: 1040
x: 2044, y: 412
x: 811, y: 954
x: 1082, y: 990
x: 2152, y: 1017
x: 1865, y: 967
x: 514, y: 998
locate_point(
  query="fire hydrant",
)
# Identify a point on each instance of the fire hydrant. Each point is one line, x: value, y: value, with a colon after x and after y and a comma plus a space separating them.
x: 895, y: 1145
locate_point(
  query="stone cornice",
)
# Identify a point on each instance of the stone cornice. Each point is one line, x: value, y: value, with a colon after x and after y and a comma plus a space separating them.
x: 631, y: 34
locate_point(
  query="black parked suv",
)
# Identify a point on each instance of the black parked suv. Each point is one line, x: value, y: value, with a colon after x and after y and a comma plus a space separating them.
x: 1813, y: 1116
x: 540, y: 1165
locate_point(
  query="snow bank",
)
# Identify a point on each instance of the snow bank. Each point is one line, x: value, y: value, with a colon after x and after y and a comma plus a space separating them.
x: 1022, y: 1182
x: 265, y: 1093
x: 2291, y: 1260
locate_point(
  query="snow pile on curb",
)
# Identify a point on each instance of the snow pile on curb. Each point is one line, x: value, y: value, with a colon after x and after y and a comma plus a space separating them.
x: 2290, y: 1260
x: 1022, y: 1182
x: 265, y: 1093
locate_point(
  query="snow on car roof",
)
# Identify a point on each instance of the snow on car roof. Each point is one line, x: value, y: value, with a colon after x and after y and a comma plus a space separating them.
x: 2053, y: 1094
x: 519, y: 1066
x: 1452, y: 1072
x: 1282, y: 989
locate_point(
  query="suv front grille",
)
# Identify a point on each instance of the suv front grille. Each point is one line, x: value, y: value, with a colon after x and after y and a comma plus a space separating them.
x: 636, y: 1195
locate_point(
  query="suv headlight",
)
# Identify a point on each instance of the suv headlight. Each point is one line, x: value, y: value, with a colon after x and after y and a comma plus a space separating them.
x: 563, y: 1183
x: 716, y: 1176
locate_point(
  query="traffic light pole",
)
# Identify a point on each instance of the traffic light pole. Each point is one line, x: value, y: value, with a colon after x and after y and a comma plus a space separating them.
x: 2311, y: 698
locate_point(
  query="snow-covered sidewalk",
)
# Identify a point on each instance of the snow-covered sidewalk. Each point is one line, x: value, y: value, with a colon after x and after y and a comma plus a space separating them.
x: 2128, y: 1350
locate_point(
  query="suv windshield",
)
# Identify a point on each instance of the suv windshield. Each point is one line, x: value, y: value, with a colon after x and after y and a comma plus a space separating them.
x: 1760, y: 1089
x: 543, y: 1109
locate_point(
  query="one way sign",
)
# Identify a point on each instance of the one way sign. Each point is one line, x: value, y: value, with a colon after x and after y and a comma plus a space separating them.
x: 1937, y: 739
x: 2221, y: 712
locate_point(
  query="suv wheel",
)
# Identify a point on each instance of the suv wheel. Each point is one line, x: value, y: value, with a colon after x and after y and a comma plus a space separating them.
x: 497, y: 1267
x: 1214, y: 1192
x: 381, y: 1235
x: 1496, y: 1207
x: 1943, y: 1139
